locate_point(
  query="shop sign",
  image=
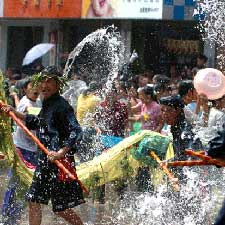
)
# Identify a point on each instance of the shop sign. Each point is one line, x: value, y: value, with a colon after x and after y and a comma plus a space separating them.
x: 1, y: 8
x: 130, y: 9
x: 37, y: 2
x: 42, y: 9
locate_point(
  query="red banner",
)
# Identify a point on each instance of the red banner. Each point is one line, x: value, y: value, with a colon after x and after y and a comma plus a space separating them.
x: 42, y: 9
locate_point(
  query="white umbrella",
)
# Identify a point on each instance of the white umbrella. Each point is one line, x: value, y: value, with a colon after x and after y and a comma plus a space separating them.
x: 36, y: 52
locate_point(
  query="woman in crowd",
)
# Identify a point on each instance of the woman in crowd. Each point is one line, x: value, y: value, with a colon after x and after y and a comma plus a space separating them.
x: 150, y: 113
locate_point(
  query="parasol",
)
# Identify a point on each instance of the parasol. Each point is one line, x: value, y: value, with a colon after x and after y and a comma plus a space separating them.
x: 36, y: 52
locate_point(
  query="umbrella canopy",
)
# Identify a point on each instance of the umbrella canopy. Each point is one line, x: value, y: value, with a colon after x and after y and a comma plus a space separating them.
x: 36, y: 52
x: 97, y: 56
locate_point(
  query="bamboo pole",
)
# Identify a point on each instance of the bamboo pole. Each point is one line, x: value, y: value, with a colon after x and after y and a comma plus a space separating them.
x: 189, y: 163
x: 44, y: 149
x: 205, y: 158
x: 163, y: 166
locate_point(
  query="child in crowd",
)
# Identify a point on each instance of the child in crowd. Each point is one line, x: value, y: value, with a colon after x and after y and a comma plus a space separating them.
x: 112, y: 115
x: 26, y: 148
x: 121, y: 88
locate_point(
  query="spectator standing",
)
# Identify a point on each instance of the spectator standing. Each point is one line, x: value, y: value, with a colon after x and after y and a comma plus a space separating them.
x: 12, y: 206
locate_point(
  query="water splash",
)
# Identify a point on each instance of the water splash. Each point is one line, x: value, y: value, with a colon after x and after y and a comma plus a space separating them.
x: 201, y: 196
x: 196, y: 204
x: 98, y: 56
x: 212, y: 24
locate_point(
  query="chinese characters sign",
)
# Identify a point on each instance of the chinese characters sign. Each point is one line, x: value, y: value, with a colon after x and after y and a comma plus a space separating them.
x: 42, y: 8
x: 148, y: 9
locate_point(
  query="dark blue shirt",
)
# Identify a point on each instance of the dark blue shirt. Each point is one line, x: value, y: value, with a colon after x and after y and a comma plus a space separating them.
x: 56, y: 125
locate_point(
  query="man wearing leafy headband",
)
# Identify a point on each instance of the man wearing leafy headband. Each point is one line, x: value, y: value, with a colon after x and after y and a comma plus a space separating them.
x: 58, y: 129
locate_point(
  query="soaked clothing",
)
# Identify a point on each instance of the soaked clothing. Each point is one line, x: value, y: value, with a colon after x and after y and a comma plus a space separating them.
x: 215, y: 123
x: 56, y: 128
x: 46, y: 186
x: 178, y: 143
x: 183, y: 137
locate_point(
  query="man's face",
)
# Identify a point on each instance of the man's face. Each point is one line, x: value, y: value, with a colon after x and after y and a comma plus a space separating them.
x: 142, y: 81
x: 190, y: 97
x: 100, y: 7
x: 49, y: 87
x: 200, y: 62
x: 169, y: 114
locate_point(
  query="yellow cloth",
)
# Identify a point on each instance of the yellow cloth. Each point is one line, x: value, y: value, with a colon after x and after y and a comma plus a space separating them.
x: 109, y: 165
x: 113, y: 164
x: 6, y: 143
x: 86, y: 105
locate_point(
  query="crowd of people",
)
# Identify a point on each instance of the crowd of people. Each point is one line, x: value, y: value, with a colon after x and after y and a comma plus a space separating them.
x: 164, y: 103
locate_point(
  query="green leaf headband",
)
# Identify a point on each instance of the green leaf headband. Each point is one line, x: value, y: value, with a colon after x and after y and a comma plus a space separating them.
x: 38, y: 78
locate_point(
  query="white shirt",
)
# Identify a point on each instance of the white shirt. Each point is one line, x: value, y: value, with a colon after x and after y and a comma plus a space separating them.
x: 215, y: 123
x: 20, y: 138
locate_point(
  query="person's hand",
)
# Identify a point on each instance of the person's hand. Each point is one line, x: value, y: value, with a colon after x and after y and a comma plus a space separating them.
x: 163, y: 163
x: 138, y: 117
x: 13, y: 94
x: 202, y: 100
x: 56, y: 155
x: 6, y: 108
x: 98, y: 131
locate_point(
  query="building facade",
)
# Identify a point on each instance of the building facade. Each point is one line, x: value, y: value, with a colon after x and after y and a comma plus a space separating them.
x: 145, y: 25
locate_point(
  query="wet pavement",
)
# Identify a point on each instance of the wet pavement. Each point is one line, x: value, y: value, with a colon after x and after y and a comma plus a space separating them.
x: 134, y: 209
x: 91, y: 213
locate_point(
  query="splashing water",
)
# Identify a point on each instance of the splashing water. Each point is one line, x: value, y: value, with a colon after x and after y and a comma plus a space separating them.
x: 197, y: 203
x: 212, y: 26
x: 98, y: 56
x: 201, y: 196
